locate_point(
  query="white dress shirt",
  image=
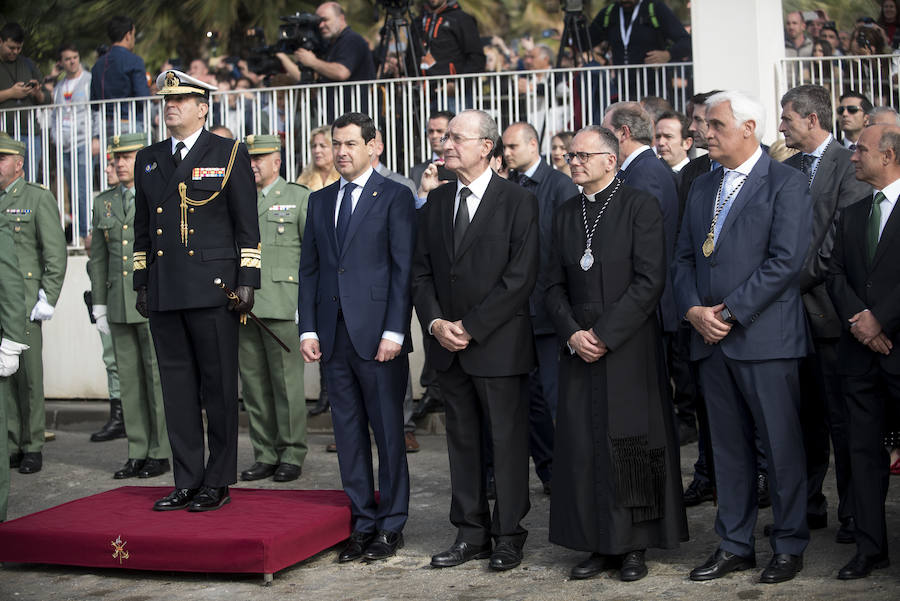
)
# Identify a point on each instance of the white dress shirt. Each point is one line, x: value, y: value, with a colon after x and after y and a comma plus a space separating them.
x: 188, y: 143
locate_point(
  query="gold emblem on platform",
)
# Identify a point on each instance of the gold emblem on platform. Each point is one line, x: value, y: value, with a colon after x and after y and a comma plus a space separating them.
x: 119, y: 545
x: 172, y: 80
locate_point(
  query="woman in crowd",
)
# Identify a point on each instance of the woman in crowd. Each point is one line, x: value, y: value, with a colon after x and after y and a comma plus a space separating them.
x: 319, y: 172
x: 559, y: 146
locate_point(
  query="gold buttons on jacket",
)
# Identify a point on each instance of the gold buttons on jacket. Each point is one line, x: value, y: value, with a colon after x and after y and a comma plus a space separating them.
x: 159, y: 209
x: 191, y: 231
x: 159, y: 232
x: 124, y: 273
x: 290, y: 278
x: 124, y: 242
x: 191, y: 210
x: 18, y: 229
x: 159, y: 253
x: 125, y: 227
x: 124, y: 257
x: 190, y: 253
x: 29, y: 274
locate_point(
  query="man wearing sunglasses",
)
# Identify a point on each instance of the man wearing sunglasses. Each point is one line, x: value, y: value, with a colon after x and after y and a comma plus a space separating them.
x: 853, y: 112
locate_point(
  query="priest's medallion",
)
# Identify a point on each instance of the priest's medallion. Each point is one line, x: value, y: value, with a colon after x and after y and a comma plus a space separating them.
x: 587, y: 259
x: 708, y: 245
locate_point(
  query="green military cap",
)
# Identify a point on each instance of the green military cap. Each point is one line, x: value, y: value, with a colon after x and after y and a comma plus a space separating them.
x: 262, y: 144
x: 126, y: 142
x: 10, y: 145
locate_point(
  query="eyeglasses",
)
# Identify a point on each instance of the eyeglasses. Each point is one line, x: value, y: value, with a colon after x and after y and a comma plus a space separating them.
x: 850, y: 109
x: 457, y: 139
x: 582, y: 156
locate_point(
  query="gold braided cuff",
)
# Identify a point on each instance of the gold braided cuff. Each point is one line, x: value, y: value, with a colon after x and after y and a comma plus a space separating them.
x: 250, y: 257
x: 140, y: 260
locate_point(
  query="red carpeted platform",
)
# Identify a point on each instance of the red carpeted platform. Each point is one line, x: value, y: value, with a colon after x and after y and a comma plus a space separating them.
x: 260, y: 531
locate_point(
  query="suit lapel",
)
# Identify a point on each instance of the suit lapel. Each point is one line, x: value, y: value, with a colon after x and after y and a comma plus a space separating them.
x: 487, y: 207
x: 758, y: 175
x: 891, y: 231
x: 367, y: 199
x: 446, y: 201
x: 328, y: 214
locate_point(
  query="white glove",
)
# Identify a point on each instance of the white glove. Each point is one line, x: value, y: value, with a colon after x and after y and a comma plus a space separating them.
x: 42, y: 310
x: 9, y: 356
x: 296, y: 317
x: 99, y: 313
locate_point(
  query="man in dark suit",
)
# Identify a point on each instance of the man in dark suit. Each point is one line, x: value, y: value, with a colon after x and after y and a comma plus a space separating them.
x: 743, y: 242
x: 355, y: 309
x: 864, y: 283
x: 471, y: 283
x: 193, y: 223
x: 806, y: 124
x: 552, y: 188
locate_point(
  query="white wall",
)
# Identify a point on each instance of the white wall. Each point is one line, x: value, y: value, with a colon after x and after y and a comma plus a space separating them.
x: 73, y: 364
x: 736, y: 45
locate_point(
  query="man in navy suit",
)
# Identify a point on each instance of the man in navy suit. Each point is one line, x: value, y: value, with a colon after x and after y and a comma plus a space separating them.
x: 355, y: 309
x: 742, y: 245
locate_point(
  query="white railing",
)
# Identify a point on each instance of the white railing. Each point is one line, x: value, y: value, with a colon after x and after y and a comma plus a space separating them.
x: 551, y: 100
x: 875, y: 77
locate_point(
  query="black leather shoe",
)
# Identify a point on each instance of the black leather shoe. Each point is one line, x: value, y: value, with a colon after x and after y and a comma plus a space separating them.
x: 782, y: 567
x: 130, y: 470
x: 210, y: 498
x: 633, y: 566
x: 114, y: 427
x: 817, y: 521
x: 321, y: 405
x: 590, y: 567
x: 686, y: 434
x: 287, y: 472
x: 154, y: 467
x: 384, y: 545
x: 698, y: 493
x: 862, y: 565
x: 257, y: 471
x: 179, y: 498
x: 356, y: 546
x: 763, y: 499
x: 31, y: 463
x: 846, y: 534
x: 720, y: 563
x: 15, y: 460
x: 428, y: 404
x: 459, y: 553
x: 506, y: 556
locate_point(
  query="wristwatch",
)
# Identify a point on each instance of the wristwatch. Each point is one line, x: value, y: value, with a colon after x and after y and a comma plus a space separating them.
x: 727, y: 316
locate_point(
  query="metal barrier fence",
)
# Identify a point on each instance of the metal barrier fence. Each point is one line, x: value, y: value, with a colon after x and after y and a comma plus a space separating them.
x: 872, y: 76
x: 66, y: 144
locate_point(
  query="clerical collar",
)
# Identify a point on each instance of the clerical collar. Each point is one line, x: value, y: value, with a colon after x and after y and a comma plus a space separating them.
x: 599, y: 193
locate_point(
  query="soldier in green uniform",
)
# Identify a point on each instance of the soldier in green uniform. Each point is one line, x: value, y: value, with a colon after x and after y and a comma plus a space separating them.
x: 114, y: 310
x: 41, y: 251
x: 272, y: 379
x: 12, y: 329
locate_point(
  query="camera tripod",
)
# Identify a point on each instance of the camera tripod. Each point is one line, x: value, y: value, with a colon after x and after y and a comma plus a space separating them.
x: 575, y: 36
x: 397, y: 22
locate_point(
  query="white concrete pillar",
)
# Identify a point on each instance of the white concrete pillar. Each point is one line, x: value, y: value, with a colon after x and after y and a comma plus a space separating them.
x: 736, y: 46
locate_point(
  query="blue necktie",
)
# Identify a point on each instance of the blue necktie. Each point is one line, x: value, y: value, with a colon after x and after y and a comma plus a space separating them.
x: 730, y: 180
x: 343, y: 220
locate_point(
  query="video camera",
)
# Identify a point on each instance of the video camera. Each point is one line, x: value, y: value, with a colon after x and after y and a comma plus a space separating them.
x: 300, y: 30
x: 394, y: 7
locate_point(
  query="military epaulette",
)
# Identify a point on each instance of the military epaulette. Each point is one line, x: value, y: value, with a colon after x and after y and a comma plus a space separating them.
x: 298, y: 185
x: 250, y: 257
x: 37, y: 185
x: 140, y: 260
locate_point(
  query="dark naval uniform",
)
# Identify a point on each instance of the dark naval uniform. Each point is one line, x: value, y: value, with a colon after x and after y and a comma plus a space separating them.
x: 112, y: 288
x: 272, y: 379
x: 193, y: 223
x: 41, y: 251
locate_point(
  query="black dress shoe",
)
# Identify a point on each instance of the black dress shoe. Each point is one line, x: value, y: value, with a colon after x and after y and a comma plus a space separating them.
x: 720, y: 563
x: 782, y: 567
x: 321, y: 405
x: 633, y: 566
x: 15, y: 459
x: 817, y: 521
x: 846, y: 534
x: 763, y: 499
x: 210, y: 498
x: 698, y: 493
x: 506, y: 556
x: 257, y: 471
x: 114, y: 427
x: 428, y: 404
x: 686, y: 434
x: 862, y: 565
x: 384, y: 545
x: 31, y: 463
x: 179, y: 498
x: 356, y: 546
x: 287, y: 472
x: 130, y: 470
x: 590, y: 567
x: 154, y: 467
x: 459, y: 553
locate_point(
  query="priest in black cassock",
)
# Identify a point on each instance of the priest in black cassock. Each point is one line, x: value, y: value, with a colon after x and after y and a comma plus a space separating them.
x: 617, y: 491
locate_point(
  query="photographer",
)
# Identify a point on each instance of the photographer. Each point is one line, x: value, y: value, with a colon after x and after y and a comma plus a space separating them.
x: 347, y: 55
x: 450, y: 39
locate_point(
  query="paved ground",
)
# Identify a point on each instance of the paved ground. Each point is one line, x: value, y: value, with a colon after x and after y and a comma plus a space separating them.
x: 75, y: 468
